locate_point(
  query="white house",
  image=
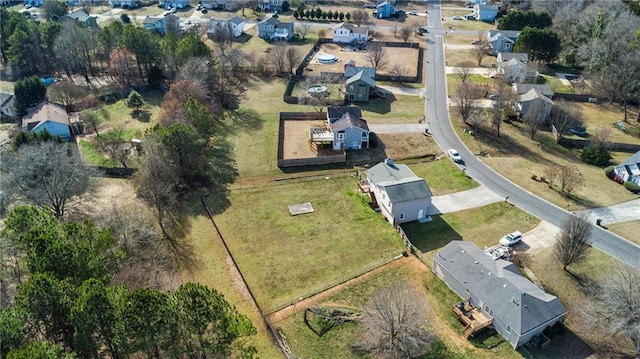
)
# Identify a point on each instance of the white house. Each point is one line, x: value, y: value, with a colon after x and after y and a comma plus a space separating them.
x: 162, y: 24
x: 228, y: 5
x: 521, y: 89
x: 266, y: 5
x: 628, y: 170
x: 516, y: 71
x: 398, y: 192
x: 347, y: 33
x: 235, y: 26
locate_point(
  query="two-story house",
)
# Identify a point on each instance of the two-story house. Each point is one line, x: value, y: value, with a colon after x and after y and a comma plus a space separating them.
x: 163, y: 24
x: 234, y: 25
x: 347, y: 33
x: 485, y: 12
x: 501, y: 40
x: 81, y: 17
x: 273, y: 29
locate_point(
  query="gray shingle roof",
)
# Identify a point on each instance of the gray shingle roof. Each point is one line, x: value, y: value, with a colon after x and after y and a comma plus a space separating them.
x: 361, y: 76
x: 506, y: 56
x: 534, y: 94
x: 79, y: 15
x: 236, y: 20
x: 524, y: 88
x: 335, y: 112
x: 350, y: 71
x: 501, y: 287
x: 5, y: 98
x: 349, y: 120
x: 635, y: 158
x: 399, y: 181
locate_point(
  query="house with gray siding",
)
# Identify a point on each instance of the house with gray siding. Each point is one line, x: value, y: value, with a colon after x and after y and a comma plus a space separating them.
x: 502, y: 40
x: 359, y: 87
x: 519, y: 309
x: 350, y: 132
x: 398, y: 192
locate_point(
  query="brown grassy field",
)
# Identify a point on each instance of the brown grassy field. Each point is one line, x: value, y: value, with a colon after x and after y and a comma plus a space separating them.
x: 628, y: 230
x: 404, y: 57
x: 457, y: 58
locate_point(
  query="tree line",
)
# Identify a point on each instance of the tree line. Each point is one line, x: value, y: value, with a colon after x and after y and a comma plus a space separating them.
x: 75, y: 310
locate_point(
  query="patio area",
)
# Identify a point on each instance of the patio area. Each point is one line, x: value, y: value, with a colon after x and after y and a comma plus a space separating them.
x: 471, y: 317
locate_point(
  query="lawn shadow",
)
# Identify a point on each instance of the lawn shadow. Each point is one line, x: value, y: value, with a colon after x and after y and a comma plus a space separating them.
x: 379, y: 105
x: 375, y: 153
x: 245, y: 119
x: 142, y: 115
x: 432, y: 235
x: 563, y: 343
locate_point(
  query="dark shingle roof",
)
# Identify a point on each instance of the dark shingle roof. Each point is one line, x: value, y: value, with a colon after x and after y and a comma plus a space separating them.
x: 501, y: 287
x: 348, y: 120
x: 335, y: 112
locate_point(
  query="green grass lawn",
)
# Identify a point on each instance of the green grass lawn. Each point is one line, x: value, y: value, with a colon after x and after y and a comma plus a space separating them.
x: 443, y: 177
x: 483, y: 226
x: 628, y: 230
x: 394, y: 109
x: 454, y: 80
x: 555, y: 84
x: 212, y: 269
x: 286, y: 257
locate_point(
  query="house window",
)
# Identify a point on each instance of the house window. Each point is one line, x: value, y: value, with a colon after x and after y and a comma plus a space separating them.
x: 488, y: 310
x: 401, y: 215
x: 341, y: 135
x: 364, y: 135
x: 508, y: 329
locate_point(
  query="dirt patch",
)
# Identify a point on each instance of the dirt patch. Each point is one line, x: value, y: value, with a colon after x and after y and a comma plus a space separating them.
x: 403, y: 57
x: 296, y: 138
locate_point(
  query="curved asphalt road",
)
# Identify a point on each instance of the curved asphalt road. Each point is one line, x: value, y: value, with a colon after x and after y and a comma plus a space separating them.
x: 437, y: 114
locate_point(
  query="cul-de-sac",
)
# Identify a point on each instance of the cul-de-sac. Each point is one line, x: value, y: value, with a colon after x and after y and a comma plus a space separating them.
x: 326, y: 179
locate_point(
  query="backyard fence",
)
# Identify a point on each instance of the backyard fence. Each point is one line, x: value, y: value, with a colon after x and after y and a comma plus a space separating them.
x: 310, y: 161
x: 282, y: 345
x: 407, y: 242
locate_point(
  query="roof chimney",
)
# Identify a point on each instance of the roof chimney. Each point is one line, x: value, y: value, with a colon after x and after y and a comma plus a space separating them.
x: 389, y: 161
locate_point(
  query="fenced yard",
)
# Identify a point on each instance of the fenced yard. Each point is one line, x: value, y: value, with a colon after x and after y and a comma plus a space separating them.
x: 286, y: 257
x: 402, y: 57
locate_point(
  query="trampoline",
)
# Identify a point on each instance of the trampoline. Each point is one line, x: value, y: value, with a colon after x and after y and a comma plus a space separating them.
x: 317, y: 90
x: 327, y: 58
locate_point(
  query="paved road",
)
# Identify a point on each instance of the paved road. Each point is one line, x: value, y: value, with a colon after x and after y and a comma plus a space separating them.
x: 444, y: 134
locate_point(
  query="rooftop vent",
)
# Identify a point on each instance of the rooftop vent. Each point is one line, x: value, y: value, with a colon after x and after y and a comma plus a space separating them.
x: 389, y: 161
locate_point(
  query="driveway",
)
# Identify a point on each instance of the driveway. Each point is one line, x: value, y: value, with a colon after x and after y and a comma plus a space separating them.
x: 401, y: 90
x: 622, y: 212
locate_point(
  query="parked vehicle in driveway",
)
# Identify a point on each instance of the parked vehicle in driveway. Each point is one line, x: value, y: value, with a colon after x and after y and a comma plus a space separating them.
x: 454, y: 155
x: 413, y: 12
x: 511, y: 239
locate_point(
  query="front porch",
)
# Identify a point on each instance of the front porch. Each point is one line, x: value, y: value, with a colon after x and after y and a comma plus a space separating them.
x: 471, y: 317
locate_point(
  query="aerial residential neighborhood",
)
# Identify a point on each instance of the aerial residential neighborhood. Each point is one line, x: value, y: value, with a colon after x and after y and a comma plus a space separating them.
x: 319, y: 179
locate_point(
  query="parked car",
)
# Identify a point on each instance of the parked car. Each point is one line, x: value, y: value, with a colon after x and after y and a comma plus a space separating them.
x: 457, y: 17
x: 494, y: 96
x: 28, y: 6
x: 173, y: 10
x: 511, y: 239
x: 204, y: 11
x: 422, y: 30
x: 413, y: 12
x: 454, y: 155
x: 369, y: 6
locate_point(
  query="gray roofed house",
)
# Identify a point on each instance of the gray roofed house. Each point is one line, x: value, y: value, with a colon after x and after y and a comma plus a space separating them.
x: 335, y: 112
x: 506, y: 56
x: 82, y: 17
x: 516, y: 71
x: 501, y: 40
x: 521, y: 89
x: 348, y: 33
x: 359, y: 87
x: 350, y: 132
x: 398, y: 192
x: 518, y: 309
x: 6, y: 104
x: 536, y: 101
x: 234, y: 25
x: 273, y: 29
x: 628, y: 170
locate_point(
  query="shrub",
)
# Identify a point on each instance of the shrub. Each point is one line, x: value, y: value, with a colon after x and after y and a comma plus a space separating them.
x: 125, y: 18
x: 534, y: 177
x: 285, y: 6
x: 632, y: 187
x: 609, y: 172
x: 597, y: 156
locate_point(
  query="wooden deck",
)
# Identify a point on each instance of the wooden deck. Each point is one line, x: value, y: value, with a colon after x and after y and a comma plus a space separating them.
x: 471, y: 317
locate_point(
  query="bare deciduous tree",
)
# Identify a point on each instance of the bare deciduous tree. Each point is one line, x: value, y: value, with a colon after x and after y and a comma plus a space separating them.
x: 278, y: 57
x: 476, y: 117
x: 394, y: 321
x: 480, y: 51
x: 293, y: 58
x: 563, y: 116
x: 303, y: 29
x: 223, y: 38
x: 601, y: 136
x: 66, y: 93
x: 321, y: 100
x: 157, y: 179
x: 406, y: 32
x: 466, y: 98
x: 567, y: 177
x: 398, y: 71
x: 573, y: 241
x: 377, y: 55
x: 615, y: 305
x: 464, y: 71
x: 322, y: 33
x: 360, y: 17
x: 534, y: 118
x: 47, y: 175
x: 395, y: 28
